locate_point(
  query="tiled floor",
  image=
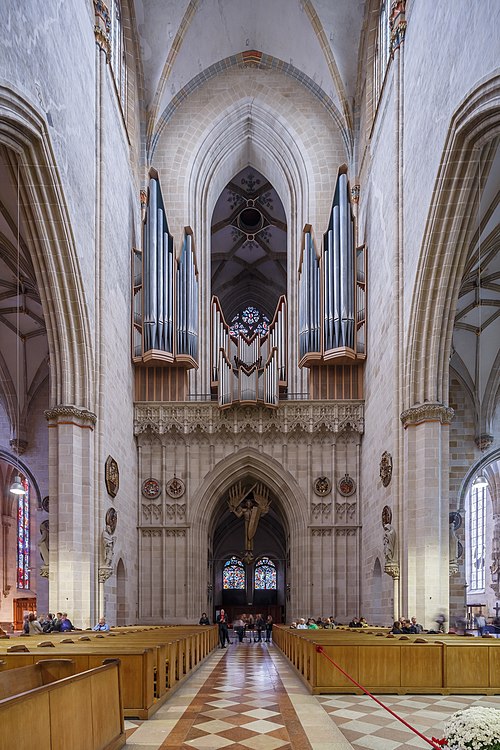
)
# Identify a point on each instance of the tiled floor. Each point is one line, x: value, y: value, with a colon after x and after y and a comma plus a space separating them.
x: 249, y: 698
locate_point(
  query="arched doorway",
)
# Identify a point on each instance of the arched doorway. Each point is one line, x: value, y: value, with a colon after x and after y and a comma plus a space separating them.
x: 249, y: 574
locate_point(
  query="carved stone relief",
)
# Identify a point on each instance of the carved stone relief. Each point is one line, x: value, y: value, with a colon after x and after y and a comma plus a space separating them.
x: 347, y: 509
x: 321, y: 532
x: 320, y: 509
x: 151, y: 511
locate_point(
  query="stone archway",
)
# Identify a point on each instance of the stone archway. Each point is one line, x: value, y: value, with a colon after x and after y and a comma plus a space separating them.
x: 250, y: 466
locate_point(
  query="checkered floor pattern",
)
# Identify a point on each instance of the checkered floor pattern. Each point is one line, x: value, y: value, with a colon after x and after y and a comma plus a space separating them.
x: 248, y: 697
x: 367, y: 725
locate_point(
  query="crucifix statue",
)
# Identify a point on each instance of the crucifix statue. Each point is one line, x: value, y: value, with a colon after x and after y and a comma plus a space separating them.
x: 250, y: 503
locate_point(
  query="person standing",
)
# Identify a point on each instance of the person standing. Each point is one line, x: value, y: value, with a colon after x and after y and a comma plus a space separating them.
x: 269, y: 628
x: 259, y: 627
x: 481, y: 624
x: 223, y: 631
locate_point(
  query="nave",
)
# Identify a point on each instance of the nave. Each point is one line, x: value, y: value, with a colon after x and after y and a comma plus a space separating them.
x: 249, y: 698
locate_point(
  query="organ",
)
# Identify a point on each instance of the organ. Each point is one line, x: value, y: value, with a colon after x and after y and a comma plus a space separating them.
x: 332, y: 289
x: 165, y: 291
x: 248, y: 369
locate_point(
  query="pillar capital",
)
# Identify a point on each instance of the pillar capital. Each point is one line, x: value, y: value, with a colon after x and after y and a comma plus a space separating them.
x: 429, y: 412
x: 72, y: 415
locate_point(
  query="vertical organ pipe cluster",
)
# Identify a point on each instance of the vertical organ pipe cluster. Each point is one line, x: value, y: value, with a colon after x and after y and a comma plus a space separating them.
x: 332, y: 288
x: 158, y: 265
x: 248, y: 370
x: 165, y: 291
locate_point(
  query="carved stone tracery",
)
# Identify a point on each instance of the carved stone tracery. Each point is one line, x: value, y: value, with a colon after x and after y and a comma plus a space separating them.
x: 207, y: 418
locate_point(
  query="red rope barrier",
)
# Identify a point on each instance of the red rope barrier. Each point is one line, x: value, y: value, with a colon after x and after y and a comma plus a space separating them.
x: 436, y: 744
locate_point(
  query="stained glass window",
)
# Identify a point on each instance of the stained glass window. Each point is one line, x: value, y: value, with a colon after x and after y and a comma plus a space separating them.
x: 249, y: 321
x: 233, y: 574
x: 477, y: 529
x: 265, y: 574
x: 23, y: 538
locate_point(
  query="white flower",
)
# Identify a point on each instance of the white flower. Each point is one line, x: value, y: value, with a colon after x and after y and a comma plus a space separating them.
x: 475, y: 728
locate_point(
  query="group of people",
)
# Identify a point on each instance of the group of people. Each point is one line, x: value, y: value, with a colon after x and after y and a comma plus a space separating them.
x: 404, y: 625
x: 60, y: 623
x: 46, y: 623
x: 253, y: 627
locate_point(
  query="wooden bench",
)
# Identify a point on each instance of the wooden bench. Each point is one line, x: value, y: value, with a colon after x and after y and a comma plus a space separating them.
x: 422, y: 663
x: 81, y: 712
x: 155, y: 660
x: 15, y: 681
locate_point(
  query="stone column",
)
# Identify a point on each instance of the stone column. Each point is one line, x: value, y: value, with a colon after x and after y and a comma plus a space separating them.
x: 424, y: 556
x: 72, y: 552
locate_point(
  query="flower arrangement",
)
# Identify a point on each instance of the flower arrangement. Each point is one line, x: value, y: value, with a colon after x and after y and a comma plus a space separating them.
x: 475, y: 728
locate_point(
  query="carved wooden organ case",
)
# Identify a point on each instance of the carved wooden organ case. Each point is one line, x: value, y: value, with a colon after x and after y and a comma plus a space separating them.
x: 165, y: 305
x: 332, y: 296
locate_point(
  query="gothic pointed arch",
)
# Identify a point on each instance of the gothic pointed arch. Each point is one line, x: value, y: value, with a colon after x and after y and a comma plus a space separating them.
x: 52, y: 248
x: 445, y: 246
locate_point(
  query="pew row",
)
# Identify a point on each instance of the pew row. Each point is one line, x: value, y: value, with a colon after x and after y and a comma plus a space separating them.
x: 401, y: 664
x: 81, y: 711
x: 154, y: 661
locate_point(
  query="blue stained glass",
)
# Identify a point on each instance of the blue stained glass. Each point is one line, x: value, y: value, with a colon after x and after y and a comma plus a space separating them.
x: 233, y: 574
x: 265, y: 574
x: 248, y: 322
x: 23, y: 538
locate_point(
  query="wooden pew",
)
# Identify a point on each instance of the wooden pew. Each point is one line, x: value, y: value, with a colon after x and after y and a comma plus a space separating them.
x: 81, y: 712
x: 15, y: 681
x: 155, y: 660
x: 410, y: 663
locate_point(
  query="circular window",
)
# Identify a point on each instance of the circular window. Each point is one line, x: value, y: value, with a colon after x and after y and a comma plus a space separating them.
x: 250, y: 220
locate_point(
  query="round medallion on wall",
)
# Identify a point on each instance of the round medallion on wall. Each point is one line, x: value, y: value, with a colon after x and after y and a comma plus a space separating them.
x: 151, y: 488
x: 45, y: 504
x: 175, y: 487
x: 111, y: 519
x: 346, y: 486
x: 322, y: 486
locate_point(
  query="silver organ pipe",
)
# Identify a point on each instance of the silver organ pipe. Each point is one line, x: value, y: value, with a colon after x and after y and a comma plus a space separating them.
x: 157, y: 283
x: 187, y: 301
x: 248, y: 370
x: 332, y: 316
x: 309, y: 299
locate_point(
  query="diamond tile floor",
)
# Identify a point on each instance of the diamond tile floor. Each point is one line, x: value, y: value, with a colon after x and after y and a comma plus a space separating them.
x: 249, y: 698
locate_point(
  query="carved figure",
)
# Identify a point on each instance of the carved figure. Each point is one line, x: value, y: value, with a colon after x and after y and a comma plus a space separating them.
x: 251, y: 504
x: 389, y: 543
x: 43, y: 543
x: 108, y: 543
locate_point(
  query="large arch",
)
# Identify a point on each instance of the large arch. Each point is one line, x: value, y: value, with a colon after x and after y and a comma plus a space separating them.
x: 445, y: 247
x: 249, y: 462
x: 235, y: 120
x: 24, y: 131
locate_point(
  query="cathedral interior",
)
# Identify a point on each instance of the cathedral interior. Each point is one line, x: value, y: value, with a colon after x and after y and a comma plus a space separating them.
x: 249, y: 310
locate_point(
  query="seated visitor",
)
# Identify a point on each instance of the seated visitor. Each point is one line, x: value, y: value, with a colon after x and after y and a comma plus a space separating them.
x: 293, y: 625
x: 363, y: 622
x: 66, y: 623
x: 302, y: 624
x: 396, y: 628
x: 34, y: 627
x: 418, y: 628
x: 355, y: 623
x: 311, y: 625
x: 101, y: 625
x: 204, y: 619
x: 328, y: 624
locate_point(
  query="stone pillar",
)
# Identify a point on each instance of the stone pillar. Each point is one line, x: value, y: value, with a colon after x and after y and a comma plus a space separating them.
x: 424, y: 560
x: 72, y: 584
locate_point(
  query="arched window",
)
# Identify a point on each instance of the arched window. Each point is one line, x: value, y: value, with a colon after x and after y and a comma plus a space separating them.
x: 382, y: 50
x: 265, y: 574
x: 476, y: 538
x: 118, y: 65
x: 249, y: 321
x: 233, y: 574
x: 23, y: 537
